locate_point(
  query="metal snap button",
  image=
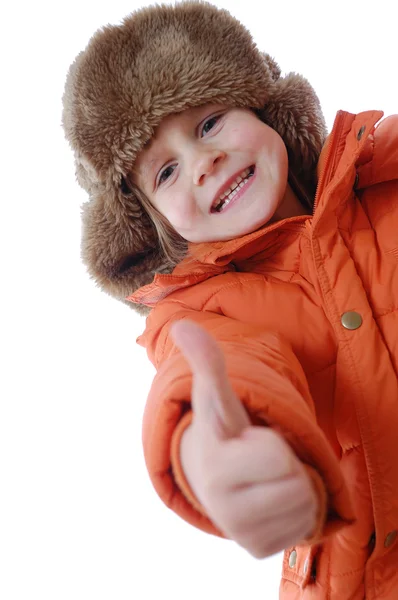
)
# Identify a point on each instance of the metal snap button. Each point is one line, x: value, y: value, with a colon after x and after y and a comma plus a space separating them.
x: 351, y: 320
x: 292, y: 559
x: 361, y: 132
x: 390, y: 538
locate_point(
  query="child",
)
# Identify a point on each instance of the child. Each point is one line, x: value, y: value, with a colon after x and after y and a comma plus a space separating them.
x: 266, y: 259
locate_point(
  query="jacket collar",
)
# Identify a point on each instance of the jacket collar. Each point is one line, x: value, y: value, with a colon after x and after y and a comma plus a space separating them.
x: 209, y: 259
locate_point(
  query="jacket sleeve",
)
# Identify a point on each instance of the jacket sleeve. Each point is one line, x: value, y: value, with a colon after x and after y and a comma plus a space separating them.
x: 270, y: 382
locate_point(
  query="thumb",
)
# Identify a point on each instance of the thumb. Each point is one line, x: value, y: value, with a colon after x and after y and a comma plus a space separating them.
x: 214, y: 402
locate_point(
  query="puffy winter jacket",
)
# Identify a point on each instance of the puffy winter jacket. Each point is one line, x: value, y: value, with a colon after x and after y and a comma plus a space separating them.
x: 306, y: 312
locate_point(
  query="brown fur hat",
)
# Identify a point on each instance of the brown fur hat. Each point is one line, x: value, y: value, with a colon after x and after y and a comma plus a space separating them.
x: 161, y: 60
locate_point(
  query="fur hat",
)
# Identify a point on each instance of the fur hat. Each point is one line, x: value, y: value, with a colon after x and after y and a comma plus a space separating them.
x: 162, y: 60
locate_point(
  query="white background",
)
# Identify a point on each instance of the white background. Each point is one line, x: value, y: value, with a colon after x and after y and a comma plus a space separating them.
x: 78, y: 516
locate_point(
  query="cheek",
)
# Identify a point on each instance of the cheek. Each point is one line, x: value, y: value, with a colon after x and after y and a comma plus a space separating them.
x: 179, y: 211
x: 282, y: 162
x: 274, y: 169
x: 275, y: 154
x: 243, y: 137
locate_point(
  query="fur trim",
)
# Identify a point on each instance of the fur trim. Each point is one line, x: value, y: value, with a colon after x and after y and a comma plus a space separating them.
x: 162, y: 60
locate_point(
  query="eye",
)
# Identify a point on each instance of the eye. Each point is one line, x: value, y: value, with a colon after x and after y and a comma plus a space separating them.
x: 165, y: 174
x: 209, y: 124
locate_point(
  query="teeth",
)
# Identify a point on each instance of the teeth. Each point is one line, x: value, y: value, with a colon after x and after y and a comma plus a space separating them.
x: 227, y: 196
x: 235, y: 184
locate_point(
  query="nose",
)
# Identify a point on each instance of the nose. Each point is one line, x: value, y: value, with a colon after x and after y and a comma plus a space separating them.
x: 205, y: 162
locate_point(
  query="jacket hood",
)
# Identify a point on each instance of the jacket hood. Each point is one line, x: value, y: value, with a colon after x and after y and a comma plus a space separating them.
x: 161, y: 60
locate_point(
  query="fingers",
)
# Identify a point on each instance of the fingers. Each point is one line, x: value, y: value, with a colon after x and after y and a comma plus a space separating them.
x: 275, y: 537
x: 272, y: 501
x: 270, y: 517
x: 259, y: 455
x: 214, y: 403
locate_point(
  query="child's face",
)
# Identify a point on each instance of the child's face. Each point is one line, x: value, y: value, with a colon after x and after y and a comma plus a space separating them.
x: 215, y: 173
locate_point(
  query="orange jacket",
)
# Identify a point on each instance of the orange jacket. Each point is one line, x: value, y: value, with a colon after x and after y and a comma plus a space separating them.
x: 279, y: 301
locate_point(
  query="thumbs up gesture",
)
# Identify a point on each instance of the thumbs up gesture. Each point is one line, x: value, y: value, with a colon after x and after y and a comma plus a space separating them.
x: 248, y: 479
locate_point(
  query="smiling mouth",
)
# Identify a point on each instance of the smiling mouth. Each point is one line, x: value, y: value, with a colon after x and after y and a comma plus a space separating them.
x: 239, y: 183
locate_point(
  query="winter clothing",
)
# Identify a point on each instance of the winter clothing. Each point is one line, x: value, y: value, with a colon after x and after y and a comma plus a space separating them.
x: 162, y: 60
x: 278, y: 301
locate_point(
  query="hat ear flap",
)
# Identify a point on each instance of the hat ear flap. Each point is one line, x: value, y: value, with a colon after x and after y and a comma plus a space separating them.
x: 119, y: 244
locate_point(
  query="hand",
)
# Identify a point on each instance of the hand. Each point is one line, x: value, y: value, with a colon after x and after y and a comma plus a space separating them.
x: 248, y: 479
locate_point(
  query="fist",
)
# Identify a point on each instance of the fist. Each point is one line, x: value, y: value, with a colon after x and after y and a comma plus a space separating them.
x: 248, y: 479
